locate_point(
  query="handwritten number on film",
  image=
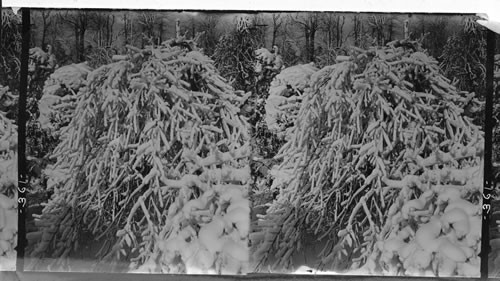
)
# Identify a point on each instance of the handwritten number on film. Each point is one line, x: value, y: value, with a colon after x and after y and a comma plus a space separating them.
x: 22, y: 189
x: 486, y: 205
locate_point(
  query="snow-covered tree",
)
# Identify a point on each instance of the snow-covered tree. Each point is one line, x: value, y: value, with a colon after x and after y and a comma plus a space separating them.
x: 10, y: 53
x: 8, y: 185
x: 235, y: 57
x: 10, y: 49
x: 58, y: 101
x: 384, y: 165
x: 464, y: 57
x: 154, y: 161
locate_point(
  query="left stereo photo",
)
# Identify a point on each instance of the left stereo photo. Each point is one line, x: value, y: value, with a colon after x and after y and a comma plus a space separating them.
x: 138, y: 153
x: 10, y: 49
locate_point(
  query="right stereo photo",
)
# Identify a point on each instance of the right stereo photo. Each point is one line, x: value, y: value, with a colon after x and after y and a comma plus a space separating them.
x: 377, y: 151
x: 494, y: 254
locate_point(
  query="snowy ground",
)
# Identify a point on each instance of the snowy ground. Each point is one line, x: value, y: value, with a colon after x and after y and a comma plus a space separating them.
x: 74, y: 265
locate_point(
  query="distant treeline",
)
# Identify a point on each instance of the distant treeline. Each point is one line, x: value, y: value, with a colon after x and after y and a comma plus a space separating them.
x: 78, y: 35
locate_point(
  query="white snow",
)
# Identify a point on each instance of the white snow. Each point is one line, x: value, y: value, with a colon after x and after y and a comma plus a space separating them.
x: 284, y: 98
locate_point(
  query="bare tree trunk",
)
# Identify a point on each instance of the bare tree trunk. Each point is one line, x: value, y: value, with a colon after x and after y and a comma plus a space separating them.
x: 82, y: 43
x: 340, y: 30
x: 308, y: 45
x: 314, y: 23
x: 125, y: 29
x: 79, y: 22
x: 391, y: 29
x: 77, y: 43
x: 406, y: 28
x: 312, y: 35
x: 193, y: 28
x: 46, y: 25
x: 310, y: 25
x: 273, y: 41
x: 423, y: 26
x: 356, y: 30
x: 177, y: 28
x: 109, y: 30
x: 330, y: 38
x: 277, y: 22
x: 160, y: 31
x: 330, y: 33
x: 143, y: 43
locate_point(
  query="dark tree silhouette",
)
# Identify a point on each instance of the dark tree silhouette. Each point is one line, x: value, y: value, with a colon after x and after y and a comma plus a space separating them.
x: 310, y: 24
x: 79, y: 22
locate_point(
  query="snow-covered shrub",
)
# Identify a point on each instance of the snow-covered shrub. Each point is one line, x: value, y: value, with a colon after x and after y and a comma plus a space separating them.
x: 154, y: 160
x: 494, y: 255
x: 98, y: 56
x: 8, y: 189
x: 464, y: 56
x: 268, y: 60
x: 437, y: 233
x: 8, y: 232
x: 10, y: 48
x: 285, y: 96
x: 10, y: 54
x: 264, y: 56
x: 496, y: 111
x: 37, y: 56
x: 380, y: 149
x: 463, y: 61
x: 39, y: 59
x: 8, y: 101
x: 59, y: 96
